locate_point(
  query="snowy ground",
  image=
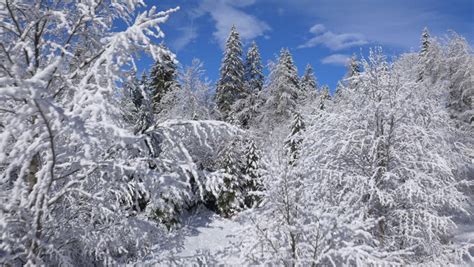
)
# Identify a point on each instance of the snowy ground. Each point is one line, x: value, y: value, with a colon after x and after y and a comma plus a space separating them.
x: 203, y: 233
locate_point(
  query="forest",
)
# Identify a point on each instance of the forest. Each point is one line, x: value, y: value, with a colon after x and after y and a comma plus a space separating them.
x: 105, y: 165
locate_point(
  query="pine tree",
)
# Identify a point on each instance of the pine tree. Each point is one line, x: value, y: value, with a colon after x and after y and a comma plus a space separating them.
x: 283, y: 88
x: 294, y: 139
x: 163, y: 79
x: 230, y: 86
x: 252, y: 171
x: 253, y: 69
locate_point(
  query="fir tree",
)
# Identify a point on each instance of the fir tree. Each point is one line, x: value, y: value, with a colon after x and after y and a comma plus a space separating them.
x: 137, y: 107
x: 230, y: 86
x: 252, y: 171
x: 425, y: 42
x: 294, y: 139
x: 229, y: 200
x: 283, y: 87
x: 253, y: 69
x: 163, y: 79
x: 308, y: 85
x: 424, y: 53
x: 308, y: 80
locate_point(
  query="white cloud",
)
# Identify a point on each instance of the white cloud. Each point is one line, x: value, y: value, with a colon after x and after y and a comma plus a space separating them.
x: 226, y: 13
x: 188, y: 34
x: 318, y: 28
x: 395, y: 23
x: 336, y: 59
x: 332, y: 40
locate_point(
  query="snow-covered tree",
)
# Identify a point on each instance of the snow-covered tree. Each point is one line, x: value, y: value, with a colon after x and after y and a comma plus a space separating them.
x: 308, y: 81
x: 391, y: 139
x: 324, y: 97
x: 163, y: 80
x: 64, y: 151
x: 429, y: 59
x: 309, y: 86
x: 283, y: 89
x: 191, y: 100
x: 294, y: 139
x: 230, y: 86
x: 460, y: 74
x: 253, y: 173
x: 306, y: 221
x: 245, y: 109
x: 136, y: 104
x: 354, y: 67
x: 231, y: 196
x: 253, y: 69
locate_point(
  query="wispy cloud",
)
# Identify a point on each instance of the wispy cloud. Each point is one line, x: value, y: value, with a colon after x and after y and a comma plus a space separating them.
x: 333, y: 41
x: 226, y: 13
x: 336, y: 59
x: 396, y: 23
x: 318, y: 28
x: 188, y: 34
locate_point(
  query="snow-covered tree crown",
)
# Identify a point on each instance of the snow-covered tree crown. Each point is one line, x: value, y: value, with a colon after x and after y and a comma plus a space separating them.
x: 230, y: 85
x: 253, y: 68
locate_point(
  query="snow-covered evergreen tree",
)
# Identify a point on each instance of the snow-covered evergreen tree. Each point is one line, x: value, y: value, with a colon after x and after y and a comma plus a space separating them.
x: 230, y: 86
x: 324, y: 97
x: 252, y: 171
x: 429, y: 59
x: 191, y: 101
x: 253, y: 69
x: 308, y: 81
x: 231, y: 197
x: 308, y: 85
x: 283, y: 89
x: 294, y: 139
x: 163, y: 80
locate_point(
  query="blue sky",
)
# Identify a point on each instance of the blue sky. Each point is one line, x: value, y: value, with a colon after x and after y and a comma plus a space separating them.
x: 320, y: 32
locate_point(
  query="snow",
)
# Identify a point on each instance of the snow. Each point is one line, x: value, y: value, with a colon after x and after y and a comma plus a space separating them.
x: 202, y: 233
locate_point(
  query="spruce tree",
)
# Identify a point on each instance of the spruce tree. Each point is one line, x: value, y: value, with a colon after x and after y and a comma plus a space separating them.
x: 252, y: 171
x: 308, y: 85
x: 244, y: 110
x: 229, y: 200
x: 308, y: 80
x: 294, y: 139
x: 230, y: 86
x: 425, y: 42
x: 284, y: 87
x: 253, y: 69
x: 424, y: 53
x: 163, y: 79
